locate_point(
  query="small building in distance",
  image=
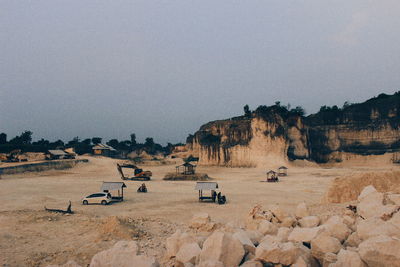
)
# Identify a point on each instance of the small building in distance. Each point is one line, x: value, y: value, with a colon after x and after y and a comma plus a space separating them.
x: 53, y: 154
x: 103, y: 150
x: 186, y: 169
x: 282, y: 171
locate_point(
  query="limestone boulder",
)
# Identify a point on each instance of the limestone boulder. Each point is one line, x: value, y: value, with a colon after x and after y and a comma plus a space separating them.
x: 210, y: 263
x: 309, y: 221
x: 375, y: 227
x: 348, y: 258
x: 337, y: 228
x: 202, y: 222
x: 172, y: 244
x: 255, y: 216
x: 395, y: 220
x: 302, y: 211
x: 380, y: 251
x: 280, y: 253
x: 394, y: 198
x: 252, y: 264
x: 328, y: 259
x: 283, y: 234
x: 370, y: 189
x: 245, y: 240
x: 222, y: 247
x: 371, y: 204
x: 305, y: 234
x: 175, y: 242
x: 266, y: 228
x: 288, y: 221
x: 349, y: 221
x: 278, y: 212
x: 323, y: 244
x: 188, y: 253
x: 122, y: 254
x: 255, y: 236
x: 353, y: 240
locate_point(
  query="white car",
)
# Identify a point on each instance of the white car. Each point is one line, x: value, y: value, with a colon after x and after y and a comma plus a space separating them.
x: 97, y: 198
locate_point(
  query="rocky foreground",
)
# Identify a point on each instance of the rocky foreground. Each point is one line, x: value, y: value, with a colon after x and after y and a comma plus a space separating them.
x: 367, y: 234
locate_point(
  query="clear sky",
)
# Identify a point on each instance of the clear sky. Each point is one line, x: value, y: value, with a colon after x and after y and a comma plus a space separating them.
x: 163, y: 68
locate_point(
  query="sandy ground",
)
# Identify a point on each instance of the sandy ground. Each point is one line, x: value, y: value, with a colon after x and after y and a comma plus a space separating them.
x: 30, y: 236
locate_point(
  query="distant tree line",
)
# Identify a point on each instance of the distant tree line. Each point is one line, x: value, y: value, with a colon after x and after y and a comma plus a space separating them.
x: 81, y: 146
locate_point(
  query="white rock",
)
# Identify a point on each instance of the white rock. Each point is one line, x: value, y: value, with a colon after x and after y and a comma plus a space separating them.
x: 353, y: 240
x: 245, y: 240
x: 224, y: 248
x: 283, y: 234
x: 252, y: 264
x: 279, y: 253
x: 380, y: 251
x: 175, y: 242
x: 302, y: 211
x: 188, y: 253
x: 328, y: 259
x: 309, y: 221
x: 288, y: 222
x: 348, y: 258
x: 255, y: 236
x: 172, y: 244
x: 305, y: 234
x: 371, y: 205
x: 278, y: 212
x: 323, y: 244
x: 370, y: 189
x: 375, y: 227
x: 266, y: 228
x: 395, y: 198
x: 211, y: 264
x: 337, y: 228
x: 349, y: 221
x: 122, y: 254
x: 202, y: 222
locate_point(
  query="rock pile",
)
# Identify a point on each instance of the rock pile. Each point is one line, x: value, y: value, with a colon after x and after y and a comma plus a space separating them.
x: 366, y: 236
x: 272, y: 237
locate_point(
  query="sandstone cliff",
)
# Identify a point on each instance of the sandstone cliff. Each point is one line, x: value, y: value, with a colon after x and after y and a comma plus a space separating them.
x: 273, y: 135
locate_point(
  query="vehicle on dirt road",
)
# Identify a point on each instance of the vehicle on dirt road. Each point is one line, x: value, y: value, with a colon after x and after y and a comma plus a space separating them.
x: 97, y: 198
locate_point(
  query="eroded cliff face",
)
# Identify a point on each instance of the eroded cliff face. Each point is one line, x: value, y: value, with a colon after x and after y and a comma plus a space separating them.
x: 271, y: 136
x: 254, y: 141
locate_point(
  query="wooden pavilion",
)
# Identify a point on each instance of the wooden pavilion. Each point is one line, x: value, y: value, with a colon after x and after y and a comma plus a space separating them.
x: 282, y: 171
x: 272, y: 176
x: 209, y: 186
x: 114, y: 186
x: 186, y: 169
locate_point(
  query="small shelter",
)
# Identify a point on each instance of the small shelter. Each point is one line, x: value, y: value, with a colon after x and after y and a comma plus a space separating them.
x: 103, y: 150
x: 282, y: 171
x: 114, y: 186
x: 396, y: 157
x: 272, y: 176
x: 186, y: 169
x: 212, y: 186
x: 56, y: 154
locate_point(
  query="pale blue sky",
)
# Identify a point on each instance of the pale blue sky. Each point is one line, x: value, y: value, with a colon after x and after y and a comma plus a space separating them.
x: 163, y: 68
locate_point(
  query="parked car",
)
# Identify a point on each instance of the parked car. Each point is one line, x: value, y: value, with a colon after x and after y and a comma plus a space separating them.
x: 97, y: 198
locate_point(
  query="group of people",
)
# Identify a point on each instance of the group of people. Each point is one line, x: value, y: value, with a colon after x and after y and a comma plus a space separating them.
x: 219, y: 197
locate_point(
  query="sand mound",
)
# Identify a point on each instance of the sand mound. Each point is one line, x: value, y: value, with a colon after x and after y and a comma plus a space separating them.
x: 114, y: 227
x: 347, y: 188
x: 182, y: 177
